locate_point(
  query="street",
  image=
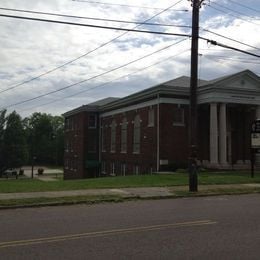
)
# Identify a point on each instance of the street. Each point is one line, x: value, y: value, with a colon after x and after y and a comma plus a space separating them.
x: 222, y: 227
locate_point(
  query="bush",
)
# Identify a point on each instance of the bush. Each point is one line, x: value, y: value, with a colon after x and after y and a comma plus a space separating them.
x: 40, y: 171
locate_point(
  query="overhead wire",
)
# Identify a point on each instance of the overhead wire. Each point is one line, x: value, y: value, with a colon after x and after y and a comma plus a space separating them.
x: 229, y: 38
x: 90, y: 78
x: 89, y: 52
x: 93, y: 18
x: 94, y: 25
x: 235, y: 59
x: 213, y: 42
x: 233, y: 10
x: 106, y: 83
x: 123, y: 5
x: 223, y: 64
x: 245, y: 6
x: 233, y: 15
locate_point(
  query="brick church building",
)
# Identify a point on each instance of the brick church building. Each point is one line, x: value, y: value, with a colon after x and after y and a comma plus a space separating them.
x: 148, y: 131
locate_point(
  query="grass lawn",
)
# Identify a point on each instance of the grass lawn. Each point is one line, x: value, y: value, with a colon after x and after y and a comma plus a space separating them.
x: 29, y: 185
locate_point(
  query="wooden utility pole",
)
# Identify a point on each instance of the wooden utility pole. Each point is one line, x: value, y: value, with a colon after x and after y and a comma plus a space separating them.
x: 193, y: 142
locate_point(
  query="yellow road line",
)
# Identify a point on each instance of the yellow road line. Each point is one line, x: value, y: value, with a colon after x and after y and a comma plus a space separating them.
x: 42, y: 240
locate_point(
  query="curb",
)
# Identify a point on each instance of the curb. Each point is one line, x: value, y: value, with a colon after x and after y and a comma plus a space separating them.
x: 78, y: 200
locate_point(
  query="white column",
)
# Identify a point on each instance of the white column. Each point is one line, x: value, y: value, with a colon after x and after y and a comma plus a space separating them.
x: 213, y: 134
x: 258, y: 112
x: 223, y: 134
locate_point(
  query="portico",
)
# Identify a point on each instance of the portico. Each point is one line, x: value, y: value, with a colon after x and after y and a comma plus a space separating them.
x: 233, y: 104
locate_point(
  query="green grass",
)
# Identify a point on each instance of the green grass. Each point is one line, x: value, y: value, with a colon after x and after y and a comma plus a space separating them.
x: 160, y: 180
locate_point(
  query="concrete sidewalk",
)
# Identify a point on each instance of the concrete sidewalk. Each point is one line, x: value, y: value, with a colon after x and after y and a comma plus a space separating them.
x: 146, y: 192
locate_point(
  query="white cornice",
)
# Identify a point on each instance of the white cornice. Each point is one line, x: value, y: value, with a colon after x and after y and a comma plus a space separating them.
x: 146, y: 104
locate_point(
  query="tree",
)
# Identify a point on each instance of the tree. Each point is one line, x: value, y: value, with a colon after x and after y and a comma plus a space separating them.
x: 14, y: 142
x: 58, y: 139
x: 45, y: 137
x: 2, y: 129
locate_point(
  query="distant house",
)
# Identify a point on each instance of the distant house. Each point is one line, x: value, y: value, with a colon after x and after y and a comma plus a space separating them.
x: 148, y: 131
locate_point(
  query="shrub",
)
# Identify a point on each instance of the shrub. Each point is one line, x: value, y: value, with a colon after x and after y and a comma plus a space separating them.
x: 40, y: 171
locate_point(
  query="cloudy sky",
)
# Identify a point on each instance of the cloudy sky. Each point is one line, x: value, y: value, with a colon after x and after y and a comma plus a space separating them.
x: 61, y: 66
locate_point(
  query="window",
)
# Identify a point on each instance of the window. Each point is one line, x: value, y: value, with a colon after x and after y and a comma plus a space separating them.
x: 178, y: 116
x: 137, y: 136
x: 112, y: 170
x: 103, y: 139
x: 70, y: 165
x: 92, y: 121
x: 151, y: 117
x: 92, y: 144
x: 103, y: 169
x: 66, y: 146
x: 136, y: 169
x: 124, y: 136
x: 72, y: 123
x: 123, y: 169
x: 113, y: 136
x: 75, y: 166
x: 71, y: 144
x: 66, y: 124
x: 66, y: 164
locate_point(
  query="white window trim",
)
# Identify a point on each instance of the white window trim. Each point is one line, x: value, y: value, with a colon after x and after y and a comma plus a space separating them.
x: 183, y: 119
x: 93, y: 127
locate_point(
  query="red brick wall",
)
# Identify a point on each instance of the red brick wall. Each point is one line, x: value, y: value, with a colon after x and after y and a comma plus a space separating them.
x: 76, y: 136
x: 146, y: 159
x: 173, y: 138
x: 79, y: 135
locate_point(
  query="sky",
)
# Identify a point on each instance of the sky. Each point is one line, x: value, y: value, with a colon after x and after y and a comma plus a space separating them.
x: 53, y: 68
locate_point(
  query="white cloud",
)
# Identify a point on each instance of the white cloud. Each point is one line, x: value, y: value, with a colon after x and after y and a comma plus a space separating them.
x: 29, y: 48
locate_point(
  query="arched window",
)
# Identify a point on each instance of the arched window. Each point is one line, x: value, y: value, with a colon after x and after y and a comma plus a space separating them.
x: 137, y: 135
x: 103, y: 138
x: 124, y: 136
x: 151, y: 117
x: 113, y: 136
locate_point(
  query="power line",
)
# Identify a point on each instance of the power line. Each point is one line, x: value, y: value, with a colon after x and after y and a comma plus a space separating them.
x: 94, y: 26
x: 236, y: 16
x: 223, y: 64
x: 237, y: 59
x: 229, y: 47
x: 106, y: 83
x: 91, y: 78
x: 231, y: 39
x: 234, y: 11
x: 93, y: 18
x: 91, y: 51
x: 245, y: 6
x: 125, y: 5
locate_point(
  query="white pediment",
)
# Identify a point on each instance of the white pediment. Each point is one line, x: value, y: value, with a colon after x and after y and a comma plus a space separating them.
x: 241, y: 88
x: 241, y: 82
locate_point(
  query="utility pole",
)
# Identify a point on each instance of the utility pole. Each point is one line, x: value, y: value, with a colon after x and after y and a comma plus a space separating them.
x: 193, y: 176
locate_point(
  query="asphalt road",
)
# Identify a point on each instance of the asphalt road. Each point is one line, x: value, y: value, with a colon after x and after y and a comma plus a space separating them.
x: 223, y: 227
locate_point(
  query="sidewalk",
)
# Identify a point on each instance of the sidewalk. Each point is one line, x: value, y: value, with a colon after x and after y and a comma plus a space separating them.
x: 128, y: 193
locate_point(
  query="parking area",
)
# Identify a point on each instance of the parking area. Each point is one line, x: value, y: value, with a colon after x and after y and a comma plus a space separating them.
x: 39, y: 172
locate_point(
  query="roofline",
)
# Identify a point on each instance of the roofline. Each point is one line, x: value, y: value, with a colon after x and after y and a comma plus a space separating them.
x: 83, y: 108
x: 146, y: 94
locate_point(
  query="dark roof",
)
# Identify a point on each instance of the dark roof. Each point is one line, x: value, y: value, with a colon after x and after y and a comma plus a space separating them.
x: 176, y: 86
x: 92, y: 107
x: 103, y: 101
x: 183, y: 81
x: 249, y: 72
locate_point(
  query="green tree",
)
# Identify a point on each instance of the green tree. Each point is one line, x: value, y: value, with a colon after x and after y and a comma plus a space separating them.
x: 2, y: 129
x: 45, y: 137
x: 58, y: 139
x: 14, y: 142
